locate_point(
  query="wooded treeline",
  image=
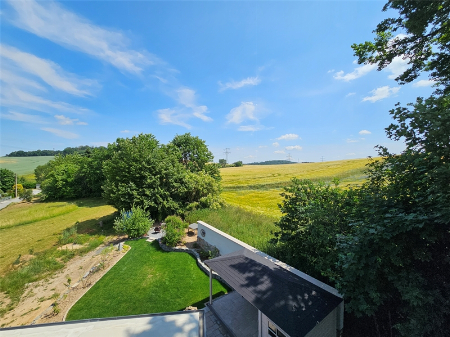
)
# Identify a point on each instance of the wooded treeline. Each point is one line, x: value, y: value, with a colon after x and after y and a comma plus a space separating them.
x: 36, y: 153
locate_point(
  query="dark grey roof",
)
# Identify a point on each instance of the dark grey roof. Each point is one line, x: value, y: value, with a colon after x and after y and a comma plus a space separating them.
x: 291, y: 302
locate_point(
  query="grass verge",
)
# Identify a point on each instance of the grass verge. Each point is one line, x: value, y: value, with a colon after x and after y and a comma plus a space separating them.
x: 146, y: 280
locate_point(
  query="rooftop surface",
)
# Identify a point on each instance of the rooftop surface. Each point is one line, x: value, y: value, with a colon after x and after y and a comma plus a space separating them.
x: 293, y: 303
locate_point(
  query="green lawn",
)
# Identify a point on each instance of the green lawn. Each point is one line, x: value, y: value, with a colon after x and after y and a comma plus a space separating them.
x: 146, y: 280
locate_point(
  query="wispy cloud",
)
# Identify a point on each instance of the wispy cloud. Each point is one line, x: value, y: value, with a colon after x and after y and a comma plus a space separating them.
x: 47, y: 71
x: 423, y: 83
x: 61, y: 133
x: 105, y: 144
x: 250, y: 156
x: 293, y: 147
x: 381, y: 93
x: 172, y: 116
x: 251, y: 127
x: 262, y: 146
x: 350, y: 94
x: 239, y: 84
x: 186, y: 97
x: 364, y: 132
x: 279, y: 151
x: 245, y: 111
x: 288, y: 136
x: 125, y: 131
x: 52, y: 21
x: 21, y: 117
x: 12, y: 79
x: 397, y: 67
x: 15, y: 97
x: 276, y: 144
x: 349, y: 140
x: 357, y: 73
x: 63, y: 120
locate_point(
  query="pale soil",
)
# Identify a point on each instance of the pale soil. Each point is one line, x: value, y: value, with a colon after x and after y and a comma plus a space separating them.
x: 190, y: 238
x: 37, y: 299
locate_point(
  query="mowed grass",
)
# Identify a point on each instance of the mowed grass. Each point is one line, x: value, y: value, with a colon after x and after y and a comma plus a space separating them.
x: 146, y: 280
x: 273, y: 176
x: 40, y: 232
x: 23, y: 165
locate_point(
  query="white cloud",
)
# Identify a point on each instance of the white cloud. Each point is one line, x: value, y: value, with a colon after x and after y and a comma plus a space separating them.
x: 172, y: 116
x: 364, y: 132
x: 349, y: 140
x: 250, y: 127
x: 262, y: 146
x: 381, y: 93
x: 423, y: 83
x: 16, y: 97
x: 294, y: 147
x: 236, y: 85
x: 357, y: 73
x: 105, y: 144
x: 63, y: 120
x: 21, y: 117
x: 288, y: 136
x: 245, y: 111
x: 331, y: 71
x: 186, y: 97
x: 250, y: 157
x: 350, y: 94
x: 18, y: 81
x: 276, y: 144
x: 48, y: 71
x: 397, y: 67
x: 51, y: 21
x: 61, y: 133
x: 279, y: 151
x: 125, y: 131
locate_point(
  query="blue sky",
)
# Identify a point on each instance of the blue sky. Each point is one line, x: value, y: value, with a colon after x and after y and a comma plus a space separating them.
x: 264, y: 79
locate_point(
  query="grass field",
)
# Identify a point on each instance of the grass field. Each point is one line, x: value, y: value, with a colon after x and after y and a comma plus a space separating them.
x: 37, y: 225
x: 146, y: 280
x: 23, y: 165
x: 257, y: 188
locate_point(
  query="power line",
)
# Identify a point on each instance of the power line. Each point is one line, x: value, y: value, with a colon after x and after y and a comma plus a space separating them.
x: 226, y: 155
x: 289, y: 157
x: 322, y: 159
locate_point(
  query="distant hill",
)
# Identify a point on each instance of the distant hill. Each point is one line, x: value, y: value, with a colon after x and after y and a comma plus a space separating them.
x: 276, y: 162
x: 39, y: 153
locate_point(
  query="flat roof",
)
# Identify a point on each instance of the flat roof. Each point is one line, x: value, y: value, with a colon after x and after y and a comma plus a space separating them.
x: 294, y: 304
x: 182, y: 323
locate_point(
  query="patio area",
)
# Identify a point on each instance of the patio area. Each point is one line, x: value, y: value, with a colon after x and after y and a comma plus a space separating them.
x: 237, y: 314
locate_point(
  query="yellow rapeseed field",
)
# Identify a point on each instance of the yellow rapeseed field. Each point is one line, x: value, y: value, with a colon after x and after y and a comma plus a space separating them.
x: 257, y: 187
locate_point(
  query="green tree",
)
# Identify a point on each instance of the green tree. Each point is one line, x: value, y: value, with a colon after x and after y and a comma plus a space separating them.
x: 424, y: 40
x: 238, y: 163
x: 7, y: 179
x: 144, y: 173
x: 222, y: 162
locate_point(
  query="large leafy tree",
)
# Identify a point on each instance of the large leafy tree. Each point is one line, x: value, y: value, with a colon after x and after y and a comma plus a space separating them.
x: 7, y: 179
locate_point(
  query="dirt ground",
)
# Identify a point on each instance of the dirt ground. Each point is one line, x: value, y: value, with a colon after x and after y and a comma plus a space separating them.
x: 36, y: 303
x: 35, y: 306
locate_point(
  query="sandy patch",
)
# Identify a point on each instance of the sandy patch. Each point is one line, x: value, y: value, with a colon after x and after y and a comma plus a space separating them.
x: 71, y: 246
x: 36, y: 303
x: 190, y: 239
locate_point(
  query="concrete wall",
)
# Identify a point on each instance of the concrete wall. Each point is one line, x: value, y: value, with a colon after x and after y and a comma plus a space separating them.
x: 227, y: 244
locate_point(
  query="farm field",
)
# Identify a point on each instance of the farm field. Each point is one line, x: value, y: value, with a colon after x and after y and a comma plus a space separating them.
x: 23, y: 165
x: 142, y: 282
x: 257, y: 188
x: 26, y: 226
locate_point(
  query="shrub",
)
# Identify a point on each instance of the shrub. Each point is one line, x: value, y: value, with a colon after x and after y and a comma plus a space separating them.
x: 174, y: 230
x: 134, y: 223
x: 26, y: 195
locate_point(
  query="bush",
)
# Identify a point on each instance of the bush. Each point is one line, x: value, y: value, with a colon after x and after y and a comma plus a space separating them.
x: 26, y: 195
x: 134, y: 223
x: 174, y: 230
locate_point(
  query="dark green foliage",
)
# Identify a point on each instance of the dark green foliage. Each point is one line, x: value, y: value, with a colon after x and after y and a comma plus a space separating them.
x: 7, y: 179
x: 135, y: 223
x: 313, y: 215
x: 73, y: 175
x: 66, y: 151
x: 238, y: 163
x: 174, y: 230
x: 26, y: 195
x: 144, y: 173
x: 222, y: 162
